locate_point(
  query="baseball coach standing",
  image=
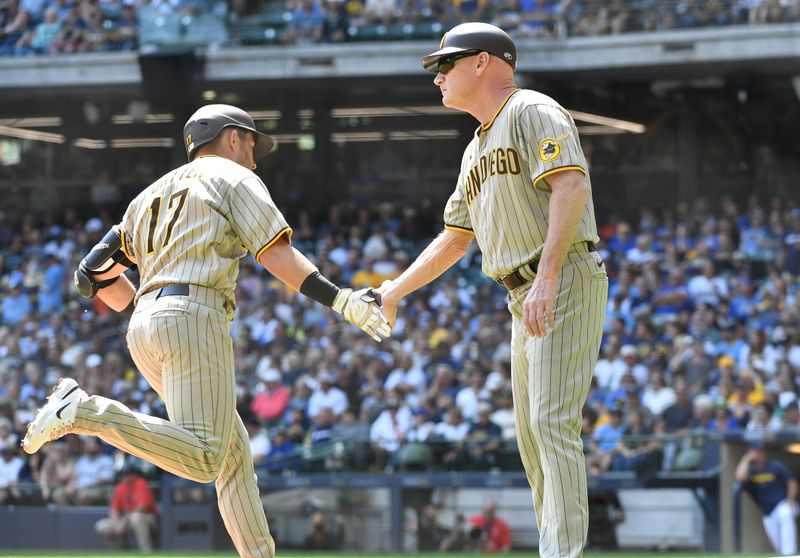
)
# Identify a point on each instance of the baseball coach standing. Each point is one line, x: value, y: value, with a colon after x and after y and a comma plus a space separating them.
x: 524, y: 194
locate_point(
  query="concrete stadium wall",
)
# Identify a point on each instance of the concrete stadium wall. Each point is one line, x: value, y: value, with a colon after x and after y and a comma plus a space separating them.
x: 654, y: 517
x: 681, y: 50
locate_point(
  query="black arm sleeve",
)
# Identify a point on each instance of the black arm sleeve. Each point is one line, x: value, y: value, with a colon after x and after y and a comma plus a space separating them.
x: 319, y: 288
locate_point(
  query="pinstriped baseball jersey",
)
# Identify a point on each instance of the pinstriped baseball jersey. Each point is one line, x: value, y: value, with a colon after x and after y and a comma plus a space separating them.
x: 502, y: 193
x: 191, y: 226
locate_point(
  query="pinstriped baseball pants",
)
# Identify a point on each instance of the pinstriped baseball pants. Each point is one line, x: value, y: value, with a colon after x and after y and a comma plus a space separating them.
x: 183, y: 348
x: 550, y: 381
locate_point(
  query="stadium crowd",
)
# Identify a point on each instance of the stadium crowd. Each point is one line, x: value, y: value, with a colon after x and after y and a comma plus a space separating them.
x: 74, y: 26
x: 702, y: 337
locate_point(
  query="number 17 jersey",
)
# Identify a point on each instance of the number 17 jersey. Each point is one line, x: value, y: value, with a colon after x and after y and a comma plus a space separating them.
x: 194, y: 224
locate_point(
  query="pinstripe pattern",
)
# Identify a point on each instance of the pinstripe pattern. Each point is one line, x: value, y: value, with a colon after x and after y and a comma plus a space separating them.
x: 227, y: 213
x: 503, y: 197
x: 550, y: 381
x: 499, y: 166
x: 192, y: 226
x: 204, y: 440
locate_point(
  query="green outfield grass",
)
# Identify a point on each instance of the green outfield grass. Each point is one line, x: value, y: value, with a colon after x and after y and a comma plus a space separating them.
x: 33, y: 554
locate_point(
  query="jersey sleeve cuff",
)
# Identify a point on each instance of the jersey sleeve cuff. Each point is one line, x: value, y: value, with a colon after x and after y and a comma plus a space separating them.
x: 538, y: 179
x: 284, y: 231
x: 460, y: 229
x: 123, y: 244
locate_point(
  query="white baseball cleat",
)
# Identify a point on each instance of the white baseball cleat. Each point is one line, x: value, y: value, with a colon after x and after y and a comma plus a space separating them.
x: 56, y: 417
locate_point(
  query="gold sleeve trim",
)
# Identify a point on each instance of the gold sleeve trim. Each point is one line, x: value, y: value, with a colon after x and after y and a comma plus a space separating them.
x: 461, y: 229
x: 283, y: 231
x: 554, y: 171
x: 124, y: 244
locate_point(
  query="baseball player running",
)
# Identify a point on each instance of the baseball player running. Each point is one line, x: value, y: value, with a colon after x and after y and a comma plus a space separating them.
x: 186, y: 233
x: 524, y: 194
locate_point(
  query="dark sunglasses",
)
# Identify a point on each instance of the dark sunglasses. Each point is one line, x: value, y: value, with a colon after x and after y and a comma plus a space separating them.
x: 446, y: 63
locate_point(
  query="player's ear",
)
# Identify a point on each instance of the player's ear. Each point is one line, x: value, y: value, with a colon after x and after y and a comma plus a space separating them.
x: 234, y: 138
x: 483, y: 59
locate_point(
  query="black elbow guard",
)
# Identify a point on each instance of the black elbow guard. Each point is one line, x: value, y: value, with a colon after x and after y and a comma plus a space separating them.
x: 103, y: 257
x: 106, y: 253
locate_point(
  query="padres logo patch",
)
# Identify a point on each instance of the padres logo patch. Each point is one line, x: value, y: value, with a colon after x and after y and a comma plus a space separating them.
x: 549, y: 148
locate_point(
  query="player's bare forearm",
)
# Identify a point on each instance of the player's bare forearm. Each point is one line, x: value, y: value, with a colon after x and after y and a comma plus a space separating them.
x: 287, y: 263
x: 570, y: 192
x: 119, y: 294
x: 567, y: 203
x: 445, y: 250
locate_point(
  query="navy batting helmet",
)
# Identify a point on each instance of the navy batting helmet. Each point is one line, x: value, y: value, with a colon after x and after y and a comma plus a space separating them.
x: 208, y: 121
x: 478, y: 37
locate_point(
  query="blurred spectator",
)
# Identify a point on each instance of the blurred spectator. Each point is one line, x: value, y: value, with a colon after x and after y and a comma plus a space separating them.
x: 10, y: 467
x: 504, y: 416
x: 637, y: 450
x: 707, y: 287
x: 7, y: 435
x: 421, y: 427
x: 304, y: 22
x: 452, y: 428
x: 321, y: 431
x: 470, y: 397
x: 16, y: 305
x: 456, y: 539
x: 407, y: 379
x: 133, y: 511
x: 45, y: 34
x: 389, y: 431
x: 790, y: 420
x: 322, y: 535
x: 51, y: 290
x: 691, y: 362
x: 488, y: 533
x: 379, y: 11
x: 633, y: 365
x: 658, y: 396
x: 58, y: 469
x: 481, y: 444
x: 430, y: 533
x: 610, y: 366
x: 327, y: 395
x: 272, y: 398
x: 90, y: 483
x: 281, y: 456
x: 605, y: 441
x: 353, y: 434
x: 259, y: 439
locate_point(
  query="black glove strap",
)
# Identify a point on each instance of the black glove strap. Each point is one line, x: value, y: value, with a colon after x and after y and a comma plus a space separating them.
x: 107, y: 282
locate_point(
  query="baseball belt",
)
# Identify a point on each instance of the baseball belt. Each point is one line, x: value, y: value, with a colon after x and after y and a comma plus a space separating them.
x: 199, y: 293
x: 176, y: 289
x: 516, y: 279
